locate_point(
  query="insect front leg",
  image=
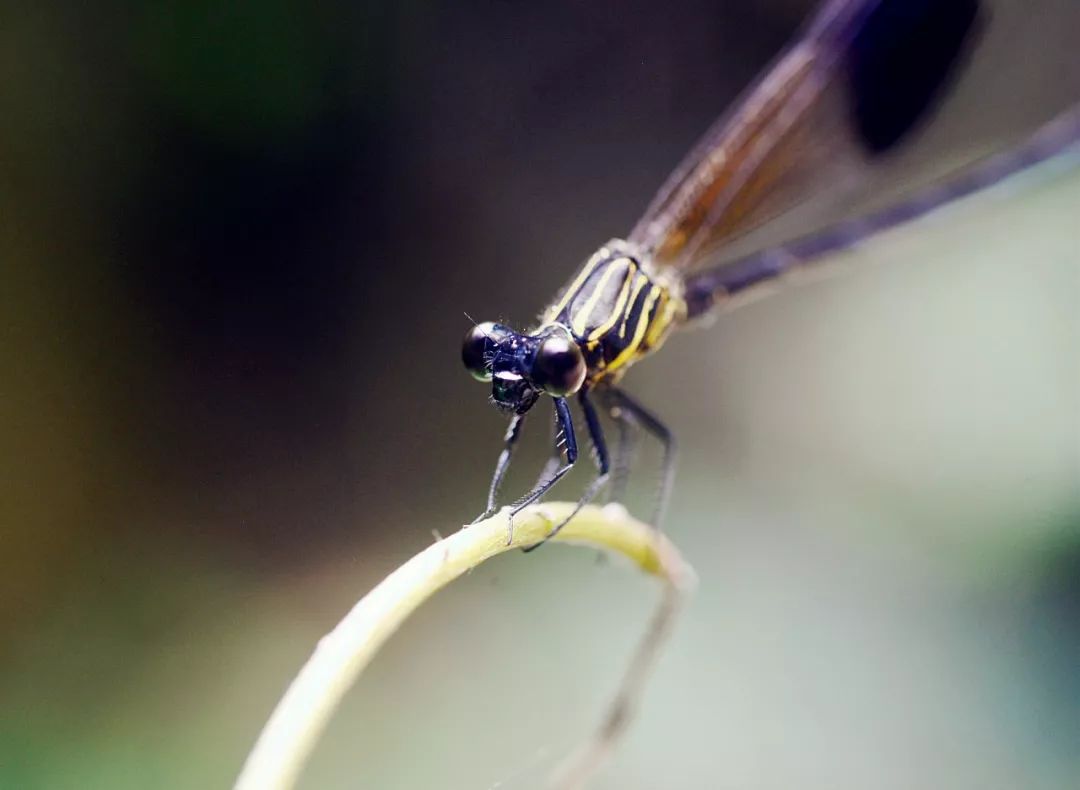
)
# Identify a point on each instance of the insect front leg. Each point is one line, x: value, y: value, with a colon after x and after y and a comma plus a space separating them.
x: 512, y: 434
x: 566, y: 428
x: 556, y: 459
x: 603, y: 465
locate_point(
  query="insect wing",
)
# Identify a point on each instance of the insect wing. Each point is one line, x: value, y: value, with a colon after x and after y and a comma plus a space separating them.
x: 840, y: 128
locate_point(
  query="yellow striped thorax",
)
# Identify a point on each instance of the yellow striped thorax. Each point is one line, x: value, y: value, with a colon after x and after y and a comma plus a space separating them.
x: 617, y: 310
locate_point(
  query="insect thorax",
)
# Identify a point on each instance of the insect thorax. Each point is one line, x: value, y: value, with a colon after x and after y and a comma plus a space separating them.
x: 617, y: 310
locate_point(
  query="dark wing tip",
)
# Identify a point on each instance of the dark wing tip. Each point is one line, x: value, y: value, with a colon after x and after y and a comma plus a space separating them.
x: 900, y: 61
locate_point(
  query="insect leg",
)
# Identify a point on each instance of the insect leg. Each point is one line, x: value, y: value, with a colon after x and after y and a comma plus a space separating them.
x: 625, y: 447
x: 603, y: 464
x: 653, y: 425
x: 512, y: 434
x: 566, y: 429
x: 555, y: 461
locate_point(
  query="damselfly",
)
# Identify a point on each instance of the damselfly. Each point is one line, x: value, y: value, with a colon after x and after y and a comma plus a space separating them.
x: 826, y: 139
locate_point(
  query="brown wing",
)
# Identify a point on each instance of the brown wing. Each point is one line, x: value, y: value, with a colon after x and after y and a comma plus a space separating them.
x: 750, y: 154
x: 835, y: 129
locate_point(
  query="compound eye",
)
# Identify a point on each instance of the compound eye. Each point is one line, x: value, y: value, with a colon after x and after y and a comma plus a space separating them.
x: 478, y: 348
x: 559, y: 368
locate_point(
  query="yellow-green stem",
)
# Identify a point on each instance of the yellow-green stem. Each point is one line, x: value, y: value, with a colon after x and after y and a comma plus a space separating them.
x: 340, y: 656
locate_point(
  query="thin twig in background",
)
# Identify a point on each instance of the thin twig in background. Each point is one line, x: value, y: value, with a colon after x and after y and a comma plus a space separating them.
x: 580, y: 767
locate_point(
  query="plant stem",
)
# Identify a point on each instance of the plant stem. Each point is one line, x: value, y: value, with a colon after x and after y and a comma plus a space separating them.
x: 303, y: 712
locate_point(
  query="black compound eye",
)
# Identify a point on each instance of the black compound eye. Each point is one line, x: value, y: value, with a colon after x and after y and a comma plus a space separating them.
x: 478, y: 347
x: 559, y: 368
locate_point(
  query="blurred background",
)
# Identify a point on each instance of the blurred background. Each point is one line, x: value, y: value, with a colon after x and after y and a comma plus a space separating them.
x: 237, y: 243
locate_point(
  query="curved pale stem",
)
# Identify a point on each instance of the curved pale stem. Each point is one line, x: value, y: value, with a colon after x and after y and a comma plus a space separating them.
x: 303, y: 712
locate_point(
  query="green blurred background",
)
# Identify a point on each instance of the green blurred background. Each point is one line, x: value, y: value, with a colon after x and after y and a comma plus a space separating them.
x: 236, y: 244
